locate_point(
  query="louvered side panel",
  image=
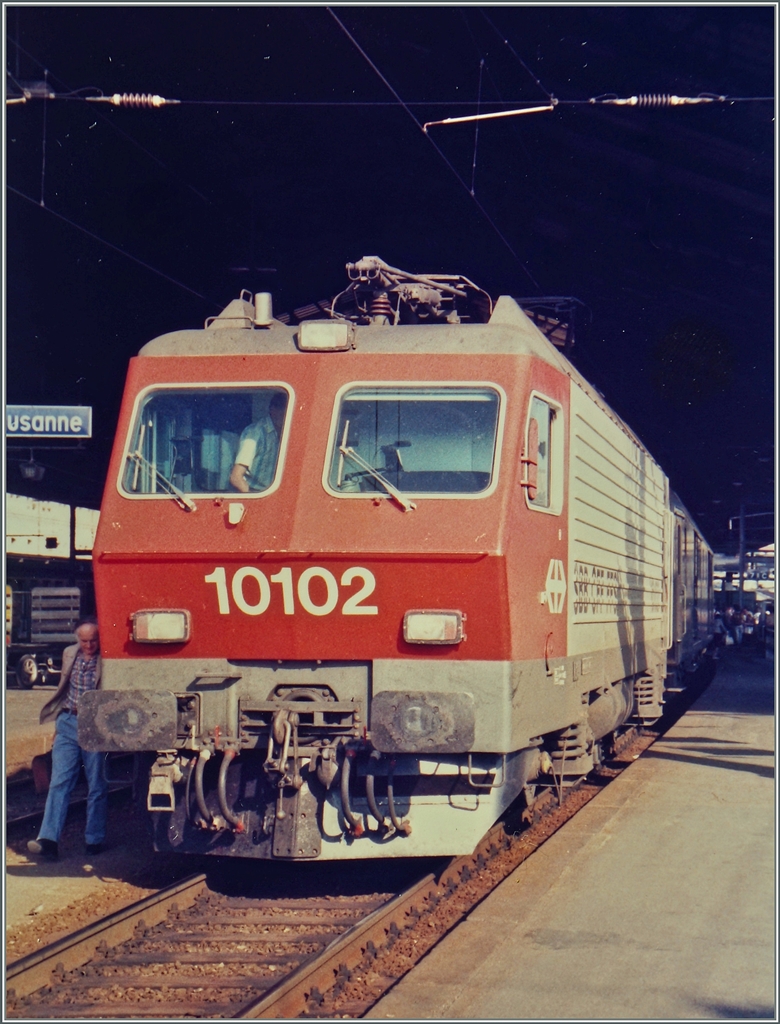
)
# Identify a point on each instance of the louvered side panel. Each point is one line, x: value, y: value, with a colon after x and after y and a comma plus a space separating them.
x: 54, y: 613
x: 617, y: 501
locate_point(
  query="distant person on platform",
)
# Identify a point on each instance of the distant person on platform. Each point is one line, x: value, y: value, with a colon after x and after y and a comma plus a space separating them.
x: 258, y: 449
x: 81, y: 666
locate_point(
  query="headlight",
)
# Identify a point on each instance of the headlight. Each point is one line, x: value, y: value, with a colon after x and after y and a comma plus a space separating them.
x: 434, y: 627
x: 325, y: 335
x: 161, y: 627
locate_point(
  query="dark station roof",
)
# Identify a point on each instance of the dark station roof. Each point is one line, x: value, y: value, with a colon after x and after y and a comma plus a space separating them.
x: 297, y: 146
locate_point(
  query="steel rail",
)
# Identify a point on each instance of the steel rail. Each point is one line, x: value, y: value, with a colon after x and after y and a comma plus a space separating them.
x: 32, y: 972
x: 290, y: 997
x: 318, y: 982
x: 33, y: 817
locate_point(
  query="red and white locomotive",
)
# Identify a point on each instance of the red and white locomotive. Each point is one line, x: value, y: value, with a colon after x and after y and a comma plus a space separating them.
x: 445, y: 573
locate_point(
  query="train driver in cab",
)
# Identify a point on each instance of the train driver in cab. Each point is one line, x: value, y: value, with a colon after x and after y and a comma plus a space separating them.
x: 258, y: 449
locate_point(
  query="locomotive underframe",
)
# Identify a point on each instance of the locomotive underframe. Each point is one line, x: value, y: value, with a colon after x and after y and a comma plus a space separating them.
x: 341, y: 760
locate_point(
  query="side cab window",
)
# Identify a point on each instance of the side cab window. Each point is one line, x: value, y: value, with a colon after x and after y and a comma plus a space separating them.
x: 542, y: 477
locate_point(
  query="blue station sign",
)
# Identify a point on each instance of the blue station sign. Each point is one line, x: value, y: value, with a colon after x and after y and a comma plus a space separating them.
x: 48, y: 421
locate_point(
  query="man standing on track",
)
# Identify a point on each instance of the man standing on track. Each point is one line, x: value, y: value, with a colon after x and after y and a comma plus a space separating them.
x: 81, y: 665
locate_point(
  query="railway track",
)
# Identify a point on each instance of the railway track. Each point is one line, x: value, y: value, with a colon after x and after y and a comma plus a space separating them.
x: 24, y: 804
x: 192, y: 952
x: 185, y: 952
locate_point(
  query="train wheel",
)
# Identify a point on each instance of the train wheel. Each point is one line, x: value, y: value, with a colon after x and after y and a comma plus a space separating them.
x: 27, y: 672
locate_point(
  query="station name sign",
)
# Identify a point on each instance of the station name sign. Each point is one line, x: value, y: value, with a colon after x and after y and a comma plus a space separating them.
x: 48, y: 420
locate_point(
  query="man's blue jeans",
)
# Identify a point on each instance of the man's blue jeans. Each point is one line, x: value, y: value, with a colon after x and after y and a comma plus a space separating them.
x: 66, y: 760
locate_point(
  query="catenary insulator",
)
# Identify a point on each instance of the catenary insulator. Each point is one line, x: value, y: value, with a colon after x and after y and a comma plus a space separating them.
x: 138, y: 99
x: 664, y: 100
x: 659, y: 100
x: 381, y: 306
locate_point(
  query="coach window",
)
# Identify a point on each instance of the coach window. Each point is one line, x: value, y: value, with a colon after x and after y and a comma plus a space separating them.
x: 188, y: 439
x: 542, y: 477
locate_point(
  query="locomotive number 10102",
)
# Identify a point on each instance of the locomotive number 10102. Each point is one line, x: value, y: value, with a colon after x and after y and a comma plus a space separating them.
x: 260, y: 601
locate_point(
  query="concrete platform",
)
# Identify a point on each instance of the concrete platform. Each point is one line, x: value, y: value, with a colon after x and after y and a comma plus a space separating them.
x: 657, y: 902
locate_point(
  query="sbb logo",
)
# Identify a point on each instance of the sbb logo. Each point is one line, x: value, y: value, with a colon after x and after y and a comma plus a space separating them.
x: 252, y: 591
x: 556, y: 586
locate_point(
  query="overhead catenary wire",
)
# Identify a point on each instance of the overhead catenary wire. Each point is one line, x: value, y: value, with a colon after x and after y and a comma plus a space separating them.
x: 643, y: 101
x: 647, y: 100
x: 476, y: 128
x: 77, y: 95
x: 148, y: 100
x: 43, y: 146
x: 154, y: 101
x: 110, y: 245
x: 515, y: 54
x: 443, y: 156
x: 502, y: 101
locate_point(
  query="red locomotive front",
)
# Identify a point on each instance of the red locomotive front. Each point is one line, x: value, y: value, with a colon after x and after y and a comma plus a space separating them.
x: 331, y: 572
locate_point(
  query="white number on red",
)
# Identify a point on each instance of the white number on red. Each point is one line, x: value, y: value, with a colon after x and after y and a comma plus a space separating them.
x: 253, y: 594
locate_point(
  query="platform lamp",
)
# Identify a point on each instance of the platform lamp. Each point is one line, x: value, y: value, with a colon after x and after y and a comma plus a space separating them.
x: 31, y: 470
x: 741, y: 599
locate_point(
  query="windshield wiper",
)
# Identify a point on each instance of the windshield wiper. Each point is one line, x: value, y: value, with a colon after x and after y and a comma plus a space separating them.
x: 179, y: 496
x: 350, y: 453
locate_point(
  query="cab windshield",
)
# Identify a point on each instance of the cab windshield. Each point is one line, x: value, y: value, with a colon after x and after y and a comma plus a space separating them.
x: 422, y: 439
x: 188, y: 440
